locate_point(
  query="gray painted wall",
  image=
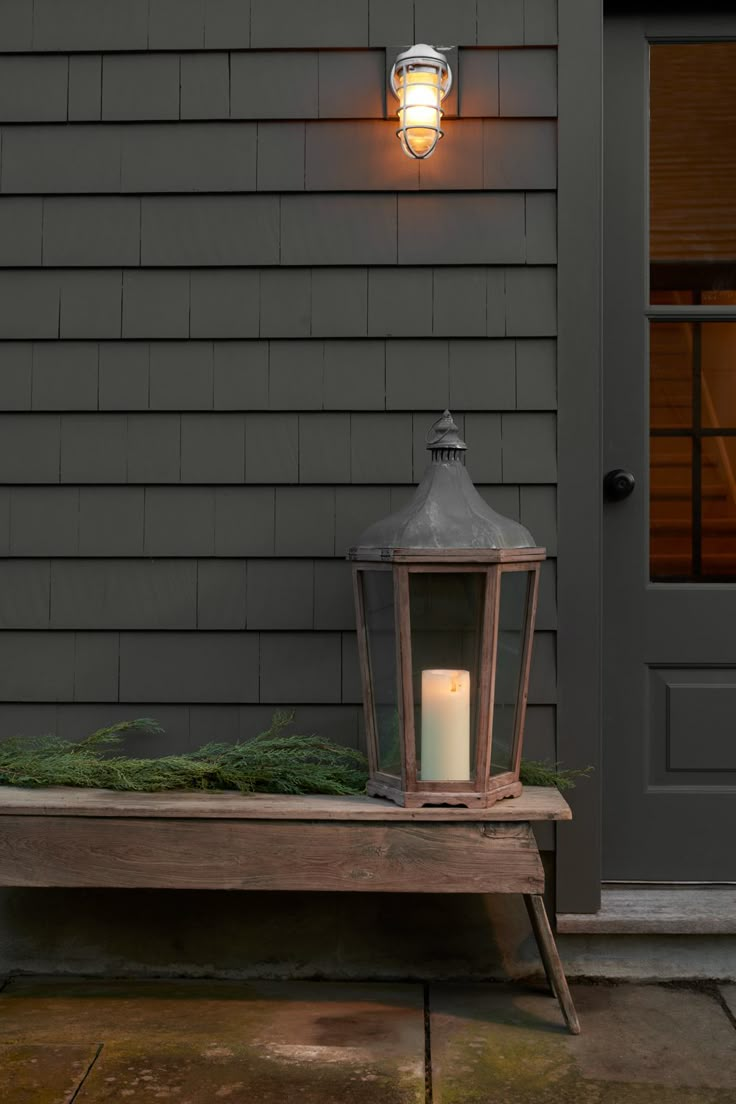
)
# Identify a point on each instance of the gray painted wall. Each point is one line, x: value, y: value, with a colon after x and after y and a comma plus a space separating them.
x: 229, y: 309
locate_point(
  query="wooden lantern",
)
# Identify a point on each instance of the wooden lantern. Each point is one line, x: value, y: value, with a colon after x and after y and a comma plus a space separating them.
x: 446, y: 596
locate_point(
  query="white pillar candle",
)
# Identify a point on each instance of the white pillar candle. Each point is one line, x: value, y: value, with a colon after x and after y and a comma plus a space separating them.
x: 445, y: 745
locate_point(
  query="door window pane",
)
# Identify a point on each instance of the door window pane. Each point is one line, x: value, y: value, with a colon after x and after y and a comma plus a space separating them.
x: 670, y: 507
x: 718, y: 521
x: 717, y: 369
x: 671, y: 389
x: 692, y: 169
x: 692, y: 458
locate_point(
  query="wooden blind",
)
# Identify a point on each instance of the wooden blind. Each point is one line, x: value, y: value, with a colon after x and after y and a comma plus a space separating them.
x: 693, y: 151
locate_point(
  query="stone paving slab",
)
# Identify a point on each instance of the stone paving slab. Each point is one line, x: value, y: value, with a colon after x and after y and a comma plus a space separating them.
x: 728, y: 992
x: 42, y: 1074
x: 201, y: 1042
x: 639, y: 1045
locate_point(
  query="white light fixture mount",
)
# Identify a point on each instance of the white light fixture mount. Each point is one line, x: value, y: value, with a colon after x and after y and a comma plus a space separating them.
x: 421, y: 79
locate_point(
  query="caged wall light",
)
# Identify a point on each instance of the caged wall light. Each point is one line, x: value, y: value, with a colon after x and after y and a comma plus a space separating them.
x: 420, y: 79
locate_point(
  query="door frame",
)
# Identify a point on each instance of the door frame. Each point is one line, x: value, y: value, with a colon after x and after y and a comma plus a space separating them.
x: 580, y: 360
x: 579, y: 505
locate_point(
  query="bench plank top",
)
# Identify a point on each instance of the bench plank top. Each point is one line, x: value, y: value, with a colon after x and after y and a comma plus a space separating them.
x: 535, y: 803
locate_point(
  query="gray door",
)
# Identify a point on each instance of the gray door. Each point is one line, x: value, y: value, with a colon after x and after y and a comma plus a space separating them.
x: 669, y: 417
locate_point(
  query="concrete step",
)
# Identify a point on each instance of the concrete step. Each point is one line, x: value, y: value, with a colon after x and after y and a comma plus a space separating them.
x: 675, y: 910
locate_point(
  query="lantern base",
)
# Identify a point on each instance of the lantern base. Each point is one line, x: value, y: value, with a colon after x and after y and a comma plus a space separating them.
x: 470, y: 799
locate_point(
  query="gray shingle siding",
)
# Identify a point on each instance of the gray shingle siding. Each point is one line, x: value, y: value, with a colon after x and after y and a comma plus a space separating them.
x: 54, y: 25
x: 285, y: 157
x: 221, y: 283
x: 256, y: 84
x: 270, y: 520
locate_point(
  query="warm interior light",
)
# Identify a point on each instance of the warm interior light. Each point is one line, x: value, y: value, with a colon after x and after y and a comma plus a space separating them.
x: 420, y: 79
x: 420, y: 113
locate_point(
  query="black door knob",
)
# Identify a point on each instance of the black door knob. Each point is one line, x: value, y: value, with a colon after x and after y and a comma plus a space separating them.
x: 618, y: 484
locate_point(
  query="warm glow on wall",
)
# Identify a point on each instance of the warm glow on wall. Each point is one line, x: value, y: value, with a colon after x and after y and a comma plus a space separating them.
x: 420, y: 79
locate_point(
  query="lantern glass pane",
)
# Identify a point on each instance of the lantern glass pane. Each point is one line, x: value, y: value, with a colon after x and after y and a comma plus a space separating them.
x: 513, y: 604
x: 446, y: 617
x: 378, y: 604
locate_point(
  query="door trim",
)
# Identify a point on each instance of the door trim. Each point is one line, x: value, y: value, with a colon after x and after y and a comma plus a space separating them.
x: 580, y: 218
x: 579, y: 640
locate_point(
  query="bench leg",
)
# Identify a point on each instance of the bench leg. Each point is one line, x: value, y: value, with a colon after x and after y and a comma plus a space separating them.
x: 551, y: 959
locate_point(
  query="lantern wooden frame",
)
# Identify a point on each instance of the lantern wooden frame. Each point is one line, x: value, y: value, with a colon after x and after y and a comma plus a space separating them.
x: 483, y: 789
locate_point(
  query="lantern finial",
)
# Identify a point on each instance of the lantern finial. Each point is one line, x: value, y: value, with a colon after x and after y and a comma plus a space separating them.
x: 443, y: 436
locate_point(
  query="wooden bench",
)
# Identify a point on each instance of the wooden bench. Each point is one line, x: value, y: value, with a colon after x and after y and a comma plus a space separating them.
x: 78, y: 837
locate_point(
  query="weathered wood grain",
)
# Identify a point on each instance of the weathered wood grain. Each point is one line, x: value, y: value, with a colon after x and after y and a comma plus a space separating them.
x: 138, y: 852
x: 535, y: 803
x: 551, y: 959
x: 456, y: 794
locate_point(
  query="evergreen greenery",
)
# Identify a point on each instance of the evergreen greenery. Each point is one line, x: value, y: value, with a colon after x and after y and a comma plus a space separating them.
x: 534, y: 772
x: 272, y: 762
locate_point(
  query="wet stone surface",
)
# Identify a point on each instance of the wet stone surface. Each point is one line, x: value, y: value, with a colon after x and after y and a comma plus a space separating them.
x: 198, y: 1042
x: 43, y: 1073
x: 639, y: 1044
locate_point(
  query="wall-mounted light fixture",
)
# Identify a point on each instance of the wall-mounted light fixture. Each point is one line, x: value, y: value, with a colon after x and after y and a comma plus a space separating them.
x: 420, y: 79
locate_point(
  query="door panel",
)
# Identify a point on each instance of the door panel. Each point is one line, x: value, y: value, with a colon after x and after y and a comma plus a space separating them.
x: 669, y: 415
x: 698, y: 720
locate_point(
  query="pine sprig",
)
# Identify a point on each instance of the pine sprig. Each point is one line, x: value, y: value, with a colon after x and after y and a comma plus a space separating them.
x: 535, y: 772
x: 273, y: 762
x: 113, y: 734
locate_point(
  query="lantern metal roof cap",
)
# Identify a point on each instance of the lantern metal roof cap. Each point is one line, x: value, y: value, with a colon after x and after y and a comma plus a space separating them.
x: 445, y: 513
x: 422, y: 51
x: 415, y: 55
